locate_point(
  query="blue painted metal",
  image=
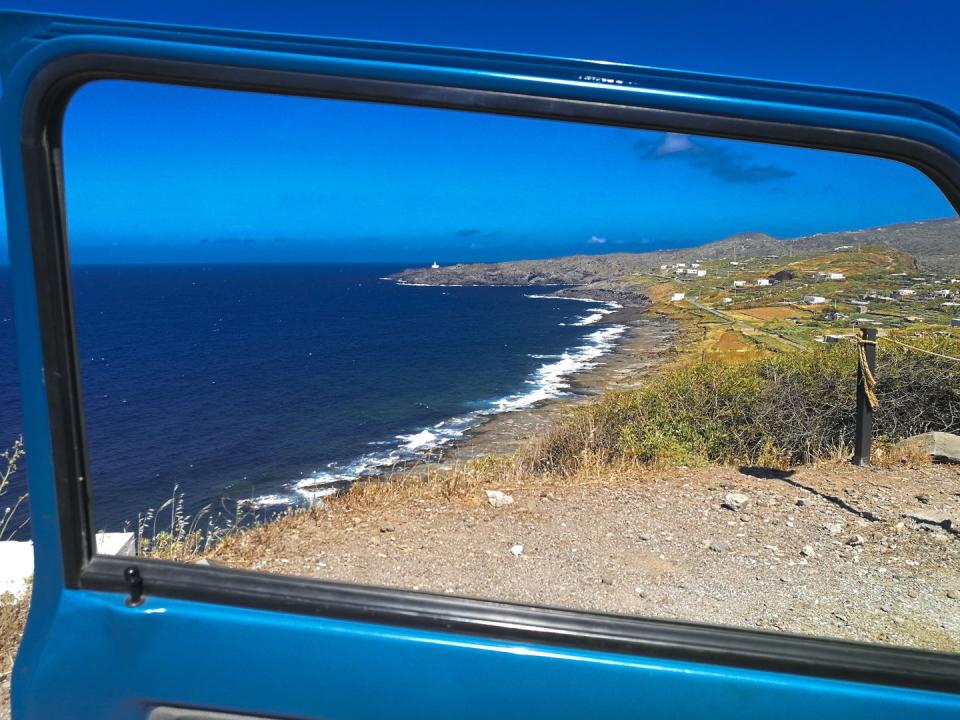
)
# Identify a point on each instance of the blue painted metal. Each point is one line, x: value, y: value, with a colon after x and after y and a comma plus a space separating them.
x: 86, y: 655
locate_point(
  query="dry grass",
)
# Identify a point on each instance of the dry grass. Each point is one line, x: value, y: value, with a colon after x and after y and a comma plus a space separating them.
x: 9, y: 459
x: 462, y: 484
x: 13, y: 616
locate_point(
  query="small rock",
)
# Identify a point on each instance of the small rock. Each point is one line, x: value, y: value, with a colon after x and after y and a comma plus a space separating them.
x: 202, y: 561
x: 719, y: 546
x: 387, y: 528
x: 929, y: 519
x: 923, y: 499
x: 640, y: 592
x: 953, y: 594
x: 735, y: 501
x: 855, y: 540
x: 643, y: 536
x: 807, y: 551
x: 498, y: 499
x: 516, y: 550
x: 802, y: 502
x: 834, y: 528
x: 606, y: 581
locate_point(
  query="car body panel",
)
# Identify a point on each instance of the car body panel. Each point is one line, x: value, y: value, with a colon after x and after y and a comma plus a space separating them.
x: 85, y: 654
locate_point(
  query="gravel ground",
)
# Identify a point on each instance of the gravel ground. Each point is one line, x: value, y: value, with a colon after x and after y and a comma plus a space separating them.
x: 829, y: 550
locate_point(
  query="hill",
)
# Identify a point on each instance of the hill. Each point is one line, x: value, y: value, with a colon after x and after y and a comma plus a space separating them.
x: 934, y: 244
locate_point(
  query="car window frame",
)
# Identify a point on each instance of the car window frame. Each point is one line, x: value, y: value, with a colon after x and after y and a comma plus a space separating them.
x: 43, y: 110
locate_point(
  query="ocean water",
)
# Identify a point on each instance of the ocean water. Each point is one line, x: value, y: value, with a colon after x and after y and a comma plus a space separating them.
x: 277, y: 384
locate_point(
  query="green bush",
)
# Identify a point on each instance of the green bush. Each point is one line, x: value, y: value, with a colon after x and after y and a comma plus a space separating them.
x: 780, y: 410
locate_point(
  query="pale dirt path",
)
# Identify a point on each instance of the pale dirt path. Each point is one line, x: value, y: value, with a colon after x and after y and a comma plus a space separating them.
x: 661, y: 544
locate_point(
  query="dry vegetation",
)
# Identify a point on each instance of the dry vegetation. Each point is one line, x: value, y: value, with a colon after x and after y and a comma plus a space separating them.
x: 13, y: 616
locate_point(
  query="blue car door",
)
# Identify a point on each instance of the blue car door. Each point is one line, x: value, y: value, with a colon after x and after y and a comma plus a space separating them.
x: 129, y: 637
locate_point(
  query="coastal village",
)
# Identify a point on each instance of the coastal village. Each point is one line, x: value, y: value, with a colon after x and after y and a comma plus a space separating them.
x: 776, y: 303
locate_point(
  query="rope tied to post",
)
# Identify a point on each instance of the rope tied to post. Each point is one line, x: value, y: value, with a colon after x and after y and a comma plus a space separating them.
x: 887, y: 338
x: 869, y: 381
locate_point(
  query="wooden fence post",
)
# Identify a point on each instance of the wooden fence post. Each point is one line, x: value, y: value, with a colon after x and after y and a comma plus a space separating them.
x: 864, y: 433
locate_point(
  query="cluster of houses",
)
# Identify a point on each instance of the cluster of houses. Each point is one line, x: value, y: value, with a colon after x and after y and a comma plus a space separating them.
x: 694, y: 270
x: 920, y: 290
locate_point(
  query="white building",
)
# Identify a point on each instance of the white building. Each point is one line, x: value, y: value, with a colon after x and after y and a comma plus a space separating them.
x: 691, y: 271
x: 694, y: 265
x: 830, y: 276
x: 814, y: 299
x: 701, y: 273
x: 762, y: 282
x: 905, y: 292
x: 664, y: 267
x: 727, y: 301
x: 942, y: 293
x: 677, y: 297
x: 739, y: 283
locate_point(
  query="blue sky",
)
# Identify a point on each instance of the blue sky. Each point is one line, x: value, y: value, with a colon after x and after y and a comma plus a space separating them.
x: 157, y: 173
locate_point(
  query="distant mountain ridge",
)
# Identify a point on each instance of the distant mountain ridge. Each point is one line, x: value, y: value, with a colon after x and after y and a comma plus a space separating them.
x: 934, y: 243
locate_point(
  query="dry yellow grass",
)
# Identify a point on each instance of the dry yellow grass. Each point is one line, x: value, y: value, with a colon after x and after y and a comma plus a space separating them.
x: 13, y: 616
x: 371, y: 502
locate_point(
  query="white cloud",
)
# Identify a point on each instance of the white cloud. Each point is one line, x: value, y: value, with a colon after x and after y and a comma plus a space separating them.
x: 674, y: 143
x: 595, y: 240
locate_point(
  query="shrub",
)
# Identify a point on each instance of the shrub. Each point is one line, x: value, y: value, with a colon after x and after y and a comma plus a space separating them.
x: 779, y: 410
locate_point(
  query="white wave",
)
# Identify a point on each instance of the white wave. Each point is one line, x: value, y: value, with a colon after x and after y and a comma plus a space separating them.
x: 267, y: 501
x: 549, y: 381
x: 595, y: 316
x: 319, y: 480
x: 562, y: 297
x: 552, y: 379
x: 418, y: 441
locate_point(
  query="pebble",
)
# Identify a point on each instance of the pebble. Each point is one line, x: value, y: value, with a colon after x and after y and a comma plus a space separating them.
x: 735, y: 501
x: 834, y: 528
x: 719, y: 546
x: 498, y: 499
x: 953, y: 594
x: 606, y: 581
x: 855, y: 540
x: 808, y: 551
x: 387, y: 528
x: 516, y: 550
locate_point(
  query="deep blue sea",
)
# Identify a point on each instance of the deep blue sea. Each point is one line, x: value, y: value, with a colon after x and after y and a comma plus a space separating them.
x: 276, y: 384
